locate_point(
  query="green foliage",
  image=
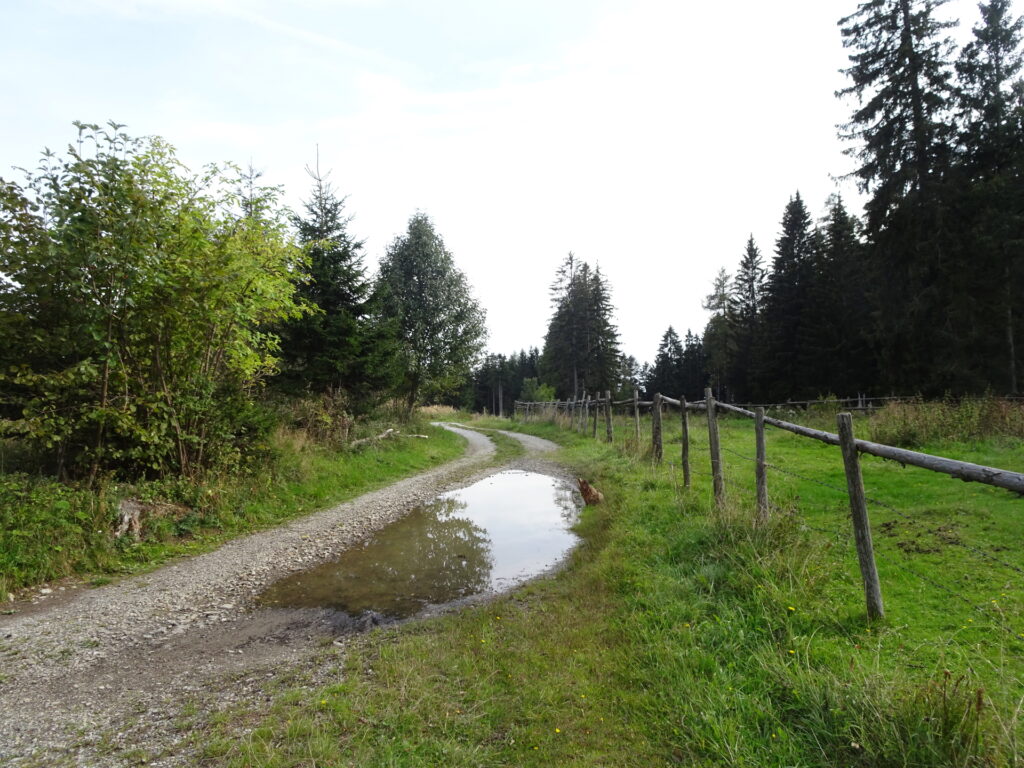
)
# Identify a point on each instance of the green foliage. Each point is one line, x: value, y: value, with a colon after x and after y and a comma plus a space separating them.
x: 720, y: 335
x: 748, y: 288
x: 785, y: 302
x: 51, y: 530
x: 900, y: 73
x: 581, y: 347
x: 48, y: 530
x: 135, y: 313
x: 507, y: 376
x: 440, y: 326
x: 666, y: 375
x: 535, y: 392
x: 344, y: 346
x: 927, y: 294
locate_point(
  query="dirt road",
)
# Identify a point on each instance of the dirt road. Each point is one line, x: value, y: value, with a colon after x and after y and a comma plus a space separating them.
x: 88, y: 675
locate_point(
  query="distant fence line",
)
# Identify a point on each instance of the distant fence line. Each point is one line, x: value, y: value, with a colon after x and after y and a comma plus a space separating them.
x: 584, y: 414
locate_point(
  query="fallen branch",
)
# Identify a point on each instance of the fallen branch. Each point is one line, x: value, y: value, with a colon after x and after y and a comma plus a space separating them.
x: 382, y: 436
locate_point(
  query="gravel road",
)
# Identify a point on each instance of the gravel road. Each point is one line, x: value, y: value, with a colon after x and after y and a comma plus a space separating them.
x: 89, y: 675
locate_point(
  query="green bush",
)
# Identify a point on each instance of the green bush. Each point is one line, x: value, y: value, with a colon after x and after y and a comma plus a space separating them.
x: 133, y: 317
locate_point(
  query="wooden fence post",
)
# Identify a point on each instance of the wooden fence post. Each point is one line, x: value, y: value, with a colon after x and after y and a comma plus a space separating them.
x: 597, y: 401
x: 760, y: 470
x: 656, y: 449
x: 716, y: 453
x: 859, y: 510
x: 686, y: 442
x: 501, y: 402
x: 608, y: 415
x: 636, y: 417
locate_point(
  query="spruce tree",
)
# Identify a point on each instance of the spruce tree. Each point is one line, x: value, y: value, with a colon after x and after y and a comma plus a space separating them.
x: 901, y: 74
x: 989, y: 93
x: 666, y: 375
x: 990, y: 304
x: 748, y: 290
x: 581, y: 351
x: 720, y: 335
x: 603, y: 362
x: 785, y: 303
x: 342, y: 348
x: 695, y: 375
x: 844, y: 308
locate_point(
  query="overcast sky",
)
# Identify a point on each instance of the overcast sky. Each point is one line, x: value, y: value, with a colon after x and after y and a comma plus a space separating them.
x: 649, y: 137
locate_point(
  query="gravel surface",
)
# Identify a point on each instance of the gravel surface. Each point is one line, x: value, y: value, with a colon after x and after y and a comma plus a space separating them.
x: 90, y: 676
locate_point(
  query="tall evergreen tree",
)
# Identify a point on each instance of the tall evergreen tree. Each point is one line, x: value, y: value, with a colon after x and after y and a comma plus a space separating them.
x: 581, y: 346
x: 748, y: 292
x: 901, y: 76
x: 666, y: 374
x: 603, y: 350
x: 720, y: 335
x: 695, y: 376
x: 834, y: 354
x: 990, y: 91
x: 631, y: 377
x: 785, y: 304
x: 900, y: 73
x: 990, y: 303
x: 342, y: 346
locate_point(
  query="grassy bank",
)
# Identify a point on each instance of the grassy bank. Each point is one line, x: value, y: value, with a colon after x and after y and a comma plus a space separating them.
x: 50, y: 530
x: 680, y: 635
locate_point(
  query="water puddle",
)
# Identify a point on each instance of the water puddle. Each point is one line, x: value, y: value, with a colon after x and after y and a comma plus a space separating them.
x: 486, y: 538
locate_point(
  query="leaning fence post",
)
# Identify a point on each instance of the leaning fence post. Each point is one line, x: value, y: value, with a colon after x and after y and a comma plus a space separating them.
x: 716, y: 453
x: 686, y: 442
x: 859, y: 510
x: 656, y: 427
x: 636, y: 417
x: 608, y: 415
x: 760, y: 468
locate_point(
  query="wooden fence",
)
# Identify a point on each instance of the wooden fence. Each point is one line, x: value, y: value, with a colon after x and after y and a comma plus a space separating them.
x: 583, y: 415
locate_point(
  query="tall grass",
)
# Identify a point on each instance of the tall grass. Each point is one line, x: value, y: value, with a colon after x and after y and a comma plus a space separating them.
x: 916, y: 423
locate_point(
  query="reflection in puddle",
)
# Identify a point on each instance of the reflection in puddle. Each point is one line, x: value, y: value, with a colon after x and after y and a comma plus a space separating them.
x: 488, y: 537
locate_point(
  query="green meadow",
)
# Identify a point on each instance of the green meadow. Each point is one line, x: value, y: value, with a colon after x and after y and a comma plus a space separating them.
x: 683, y: 634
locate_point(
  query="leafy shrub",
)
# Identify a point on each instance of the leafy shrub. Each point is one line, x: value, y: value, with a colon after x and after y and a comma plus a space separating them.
x: 132, y: 318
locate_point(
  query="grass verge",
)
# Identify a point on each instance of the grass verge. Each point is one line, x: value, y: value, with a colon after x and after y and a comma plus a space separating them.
x: 50, y: 530
x: 683, y: 635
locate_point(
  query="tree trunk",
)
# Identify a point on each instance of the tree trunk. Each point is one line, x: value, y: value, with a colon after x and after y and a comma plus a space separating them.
x: 1011, y: 349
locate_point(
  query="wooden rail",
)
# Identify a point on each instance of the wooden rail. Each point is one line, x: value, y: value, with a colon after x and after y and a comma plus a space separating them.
x: 578, y: 411
x: 962, y: 470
